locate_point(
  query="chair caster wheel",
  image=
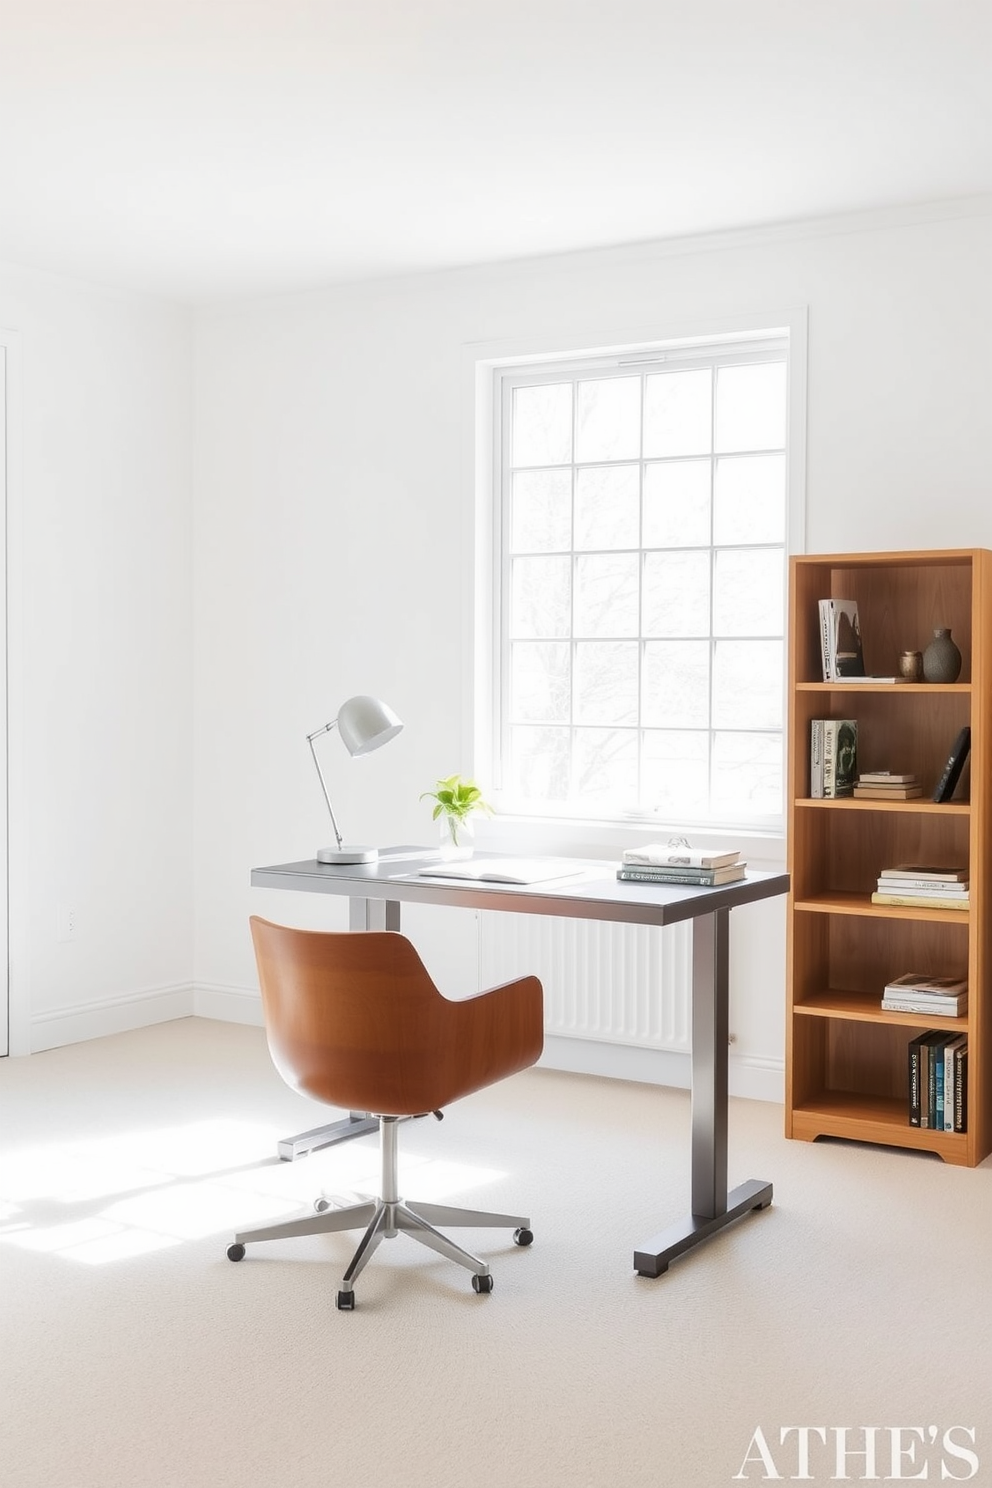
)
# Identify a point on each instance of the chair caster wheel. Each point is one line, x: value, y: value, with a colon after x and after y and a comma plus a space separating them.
x: 523, y: 1236
x: 235, y: 1252
x: 321, y: 1206
x: 482, y: 1284
x: 346, y: 1301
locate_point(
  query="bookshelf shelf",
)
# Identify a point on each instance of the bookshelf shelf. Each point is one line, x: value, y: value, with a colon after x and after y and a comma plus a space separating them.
x: 864, y: 1007
x: 878, y: 1120
x: 859, y: 904
x: 851, y: 688
x: 847, y: 1061
x: 913, y: 808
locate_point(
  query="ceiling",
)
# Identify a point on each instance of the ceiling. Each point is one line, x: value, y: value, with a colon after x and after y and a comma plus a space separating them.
x: 202, y: 149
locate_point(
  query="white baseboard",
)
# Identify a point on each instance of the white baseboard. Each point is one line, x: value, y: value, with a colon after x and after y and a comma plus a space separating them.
x: 227, y: 1004
x: 756, y: 1078
x: 73, y: 1025
x: 751, y: 1079
x: 615, y: 1061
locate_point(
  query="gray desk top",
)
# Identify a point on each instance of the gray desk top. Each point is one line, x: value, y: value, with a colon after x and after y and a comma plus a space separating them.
x: 596, y: 895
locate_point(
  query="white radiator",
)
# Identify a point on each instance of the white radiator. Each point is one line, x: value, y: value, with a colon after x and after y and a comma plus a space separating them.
x: 617, y: 984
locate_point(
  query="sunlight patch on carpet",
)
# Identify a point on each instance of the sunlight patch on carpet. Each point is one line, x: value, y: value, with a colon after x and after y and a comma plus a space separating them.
x: 176, y: 1184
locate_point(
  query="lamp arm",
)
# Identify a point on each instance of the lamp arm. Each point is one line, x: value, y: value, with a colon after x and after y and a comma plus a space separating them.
x: 320, y: 774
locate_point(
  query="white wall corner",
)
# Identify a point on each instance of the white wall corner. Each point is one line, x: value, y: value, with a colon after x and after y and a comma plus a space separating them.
x: 228, y: 1004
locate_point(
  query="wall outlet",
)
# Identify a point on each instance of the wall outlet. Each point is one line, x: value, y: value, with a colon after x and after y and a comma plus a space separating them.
x: 66, y: 922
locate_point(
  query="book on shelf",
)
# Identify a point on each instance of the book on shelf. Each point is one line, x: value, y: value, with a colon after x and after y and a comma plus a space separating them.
x: 506, y: 870
x: 887, y: 792
x: 913, y: 1054
x: 841, y: 651
x: 816, y: 759
x: 951, y: 772
x: 842, y: 654
x: 939, y: 1095
x: 938, y: 872
x: 961, y: 1089
x: 912, y: 992
x: 938, y: 1055
x: 886, y: 777
x: 921, y: 901
x: 840, y: 756
x: 678, y: 854
x: 938, y: 1069
x: 922, y: 886
x: 939, y: 986
x: 701, y: 878
x: 930, y: 1045
x: 918, y: 1115
x: 933, y: 1007
x: 953, y: 1050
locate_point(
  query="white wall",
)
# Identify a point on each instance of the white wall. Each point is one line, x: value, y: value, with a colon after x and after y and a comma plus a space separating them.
x: 333, y: 511
x: 332, y: 500
x: 101, y: 717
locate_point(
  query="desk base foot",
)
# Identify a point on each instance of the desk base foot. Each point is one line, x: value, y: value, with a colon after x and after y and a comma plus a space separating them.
x: 355, y: 1125
x: 653, y: 1257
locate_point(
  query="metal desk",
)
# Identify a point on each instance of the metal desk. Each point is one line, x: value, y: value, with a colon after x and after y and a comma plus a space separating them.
x: 376, y: 890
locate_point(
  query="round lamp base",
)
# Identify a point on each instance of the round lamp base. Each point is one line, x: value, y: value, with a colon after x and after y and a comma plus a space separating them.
x: 347, y: 854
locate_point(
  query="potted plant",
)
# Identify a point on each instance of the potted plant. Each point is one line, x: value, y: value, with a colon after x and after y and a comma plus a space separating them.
x: 456, y: 801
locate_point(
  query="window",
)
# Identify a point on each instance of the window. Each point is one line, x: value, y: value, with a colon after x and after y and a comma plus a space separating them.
x: 641, y: 555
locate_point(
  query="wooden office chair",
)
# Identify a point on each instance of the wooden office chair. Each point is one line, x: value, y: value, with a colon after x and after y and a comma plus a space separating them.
x: 354, y: 1019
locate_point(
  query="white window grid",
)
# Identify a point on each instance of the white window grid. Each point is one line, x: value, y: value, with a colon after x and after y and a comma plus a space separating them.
x: 749, y: 351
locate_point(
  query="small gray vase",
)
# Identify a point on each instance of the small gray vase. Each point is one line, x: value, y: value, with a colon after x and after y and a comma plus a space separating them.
x: 941, y: 659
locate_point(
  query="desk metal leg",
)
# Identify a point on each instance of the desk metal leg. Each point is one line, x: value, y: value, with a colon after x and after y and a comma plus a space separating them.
x: 373, y: 914
x: 363, y: 914
x: 713, y: 1208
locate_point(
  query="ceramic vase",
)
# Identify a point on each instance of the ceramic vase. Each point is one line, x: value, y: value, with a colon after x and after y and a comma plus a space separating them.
x: 911, y: 666
x: 941, y: 659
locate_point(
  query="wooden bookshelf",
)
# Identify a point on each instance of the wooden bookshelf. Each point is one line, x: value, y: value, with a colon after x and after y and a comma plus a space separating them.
x: 846, y: 1059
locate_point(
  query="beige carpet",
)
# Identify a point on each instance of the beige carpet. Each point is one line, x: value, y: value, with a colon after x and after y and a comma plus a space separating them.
x: 134, y: 1353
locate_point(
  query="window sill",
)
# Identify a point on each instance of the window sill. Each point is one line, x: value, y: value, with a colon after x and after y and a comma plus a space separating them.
x: 569, y: 837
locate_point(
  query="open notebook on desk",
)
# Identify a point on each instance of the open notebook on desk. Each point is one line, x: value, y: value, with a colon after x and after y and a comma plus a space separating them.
x: 507, y: 870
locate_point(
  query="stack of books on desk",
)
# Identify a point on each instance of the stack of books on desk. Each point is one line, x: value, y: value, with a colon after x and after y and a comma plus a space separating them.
x: 677, y: 864
x: 923, y: 886
x: 914, y: 993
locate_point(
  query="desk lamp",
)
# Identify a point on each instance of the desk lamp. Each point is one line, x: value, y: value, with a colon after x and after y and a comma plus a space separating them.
x: 363, y: 723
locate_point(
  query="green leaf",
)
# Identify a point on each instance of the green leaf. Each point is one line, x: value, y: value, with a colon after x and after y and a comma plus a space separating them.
x: 456, y: 797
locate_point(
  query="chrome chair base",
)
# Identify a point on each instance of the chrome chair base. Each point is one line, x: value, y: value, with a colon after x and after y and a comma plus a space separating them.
x: 386, y: 1217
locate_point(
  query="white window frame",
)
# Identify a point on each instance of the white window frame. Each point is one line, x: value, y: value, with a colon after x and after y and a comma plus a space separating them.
x: 490, y: 366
